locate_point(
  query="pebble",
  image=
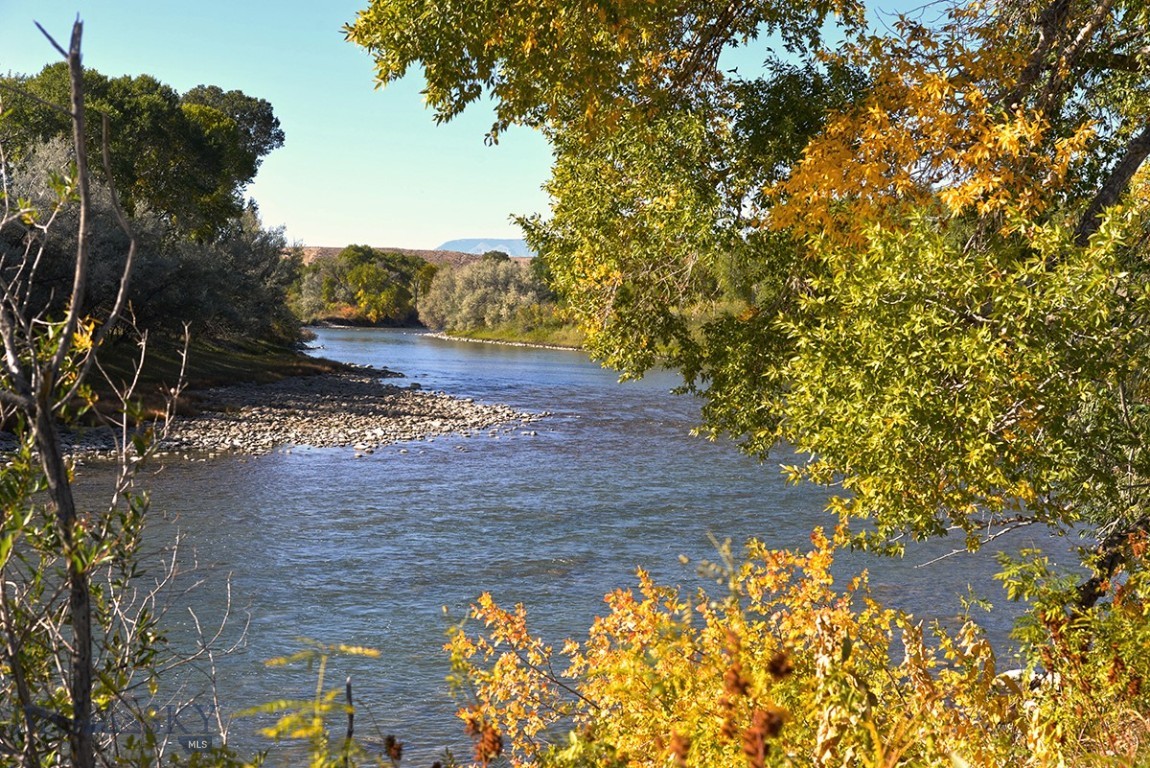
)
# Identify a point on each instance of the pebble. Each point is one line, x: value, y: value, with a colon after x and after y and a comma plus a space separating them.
x: 354, y: 408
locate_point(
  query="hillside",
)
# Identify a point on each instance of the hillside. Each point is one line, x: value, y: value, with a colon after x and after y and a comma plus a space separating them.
x: 437, y: 257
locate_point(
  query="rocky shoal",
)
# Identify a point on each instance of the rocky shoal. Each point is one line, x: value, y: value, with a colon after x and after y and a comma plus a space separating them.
x: 354, y: 408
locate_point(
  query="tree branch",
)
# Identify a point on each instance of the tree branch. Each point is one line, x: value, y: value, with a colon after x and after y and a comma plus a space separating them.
x: 1136, y: 153
x: 52, y: 40
x: 1048, y: 23
x: 125, y: 275
x: 1114, y: 550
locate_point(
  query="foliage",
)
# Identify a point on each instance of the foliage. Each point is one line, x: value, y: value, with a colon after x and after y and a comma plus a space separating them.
x: 186, y: 158
x: 230, y: 286
x: 487, y: 293
x: 1094, y: 690
x: 551, y: 61
x: 783, y: 668
x: 918, y: 256
x: 35, y: 611
x: 1000, y: 386
x: 307, y: 720
x: 78, y: 625
x: 995, y: 139
x: 82, y: 646
x: 363, y: 284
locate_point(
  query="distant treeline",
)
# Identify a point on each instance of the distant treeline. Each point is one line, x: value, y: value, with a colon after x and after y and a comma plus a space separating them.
x: 364, y: 285
x: 180, y: 163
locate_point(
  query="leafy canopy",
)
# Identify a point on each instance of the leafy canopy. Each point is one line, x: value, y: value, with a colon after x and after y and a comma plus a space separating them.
x: 917, y: 254
x: 186, y: 157
x: 363, y: 284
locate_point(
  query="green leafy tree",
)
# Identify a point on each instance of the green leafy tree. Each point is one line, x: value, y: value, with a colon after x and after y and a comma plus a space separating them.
x: 185, y: 157
x: 258, y: 129
x: 234, y: 285
x: 483, y: 294
x: 918, y: 256
x: 363, y: 284
x: 747, y: 231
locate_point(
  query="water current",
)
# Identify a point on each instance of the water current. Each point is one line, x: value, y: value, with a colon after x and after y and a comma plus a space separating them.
x: 387, y: 550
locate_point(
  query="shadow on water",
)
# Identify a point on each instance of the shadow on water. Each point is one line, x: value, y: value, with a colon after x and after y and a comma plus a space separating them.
x: 387, y: 550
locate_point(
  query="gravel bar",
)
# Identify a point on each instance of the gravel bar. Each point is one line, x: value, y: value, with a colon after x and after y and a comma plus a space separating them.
x: 357, y: 408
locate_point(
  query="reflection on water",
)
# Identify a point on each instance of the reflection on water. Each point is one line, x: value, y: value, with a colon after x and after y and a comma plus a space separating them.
x: 388, y: 549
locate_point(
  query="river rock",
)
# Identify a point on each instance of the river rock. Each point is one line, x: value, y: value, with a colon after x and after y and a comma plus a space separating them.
x: 352, y: 408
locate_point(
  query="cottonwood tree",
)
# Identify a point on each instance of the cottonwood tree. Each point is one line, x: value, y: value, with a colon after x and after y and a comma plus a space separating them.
x: 482, y: 294
x: 917, y: 256
x: 186, y: 157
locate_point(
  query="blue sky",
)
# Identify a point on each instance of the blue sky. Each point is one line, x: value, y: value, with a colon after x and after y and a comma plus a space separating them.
x: 359, y: 165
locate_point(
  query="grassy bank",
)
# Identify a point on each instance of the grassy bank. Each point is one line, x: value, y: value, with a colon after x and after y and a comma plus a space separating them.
x: 208, y: 364
x: 558, y: 336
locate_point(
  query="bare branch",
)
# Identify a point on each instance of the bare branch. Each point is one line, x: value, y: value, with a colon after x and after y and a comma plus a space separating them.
x: 125, y: 275
x: 1008, y: 527
x: 80, y: 275
x: 35, y: 98
x: 51, y: 39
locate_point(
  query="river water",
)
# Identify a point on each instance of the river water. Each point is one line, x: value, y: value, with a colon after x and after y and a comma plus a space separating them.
x: 387, y: 550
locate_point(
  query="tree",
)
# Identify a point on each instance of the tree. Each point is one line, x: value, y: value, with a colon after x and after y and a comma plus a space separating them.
x: 79, y: 621
x: 258, y: 128
x: 231, y: 286
x: 186, y: 157
x: 748, y: 231
x: 487, y: 293
x: 364, y: 284
x: 918, y: 256
x: 46, y: 360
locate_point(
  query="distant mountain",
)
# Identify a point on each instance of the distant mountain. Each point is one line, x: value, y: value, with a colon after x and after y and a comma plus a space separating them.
x: 481, y: 246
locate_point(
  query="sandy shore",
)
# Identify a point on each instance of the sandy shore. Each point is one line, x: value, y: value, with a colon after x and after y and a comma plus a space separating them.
x: 360, y: 408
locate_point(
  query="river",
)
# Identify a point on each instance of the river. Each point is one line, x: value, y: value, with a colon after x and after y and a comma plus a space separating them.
x: 387, y: 550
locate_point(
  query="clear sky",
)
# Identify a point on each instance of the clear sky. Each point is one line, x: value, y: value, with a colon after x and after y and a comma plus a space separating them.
x: 359, y: 165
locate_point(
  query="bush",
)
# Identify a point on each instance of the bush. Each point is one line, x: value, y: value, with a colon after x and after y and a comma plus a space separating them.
x: 782, y: 668
x: 483, y: 294
x: 232, y: 285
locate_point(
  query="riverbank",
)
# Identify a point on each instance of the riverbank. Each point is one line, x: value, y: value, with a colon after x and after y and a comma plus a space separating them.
x: 359, y: 408
x: 503, y: 342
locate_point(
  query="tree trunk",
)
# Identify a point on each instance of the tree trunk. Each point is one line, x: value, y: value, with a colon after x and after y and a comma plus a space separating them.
x: 79, y: 590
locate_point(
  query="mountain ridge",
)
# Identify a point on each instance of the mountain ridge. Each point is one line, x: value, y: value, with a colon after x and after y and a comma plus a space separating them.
x: 481, y: 245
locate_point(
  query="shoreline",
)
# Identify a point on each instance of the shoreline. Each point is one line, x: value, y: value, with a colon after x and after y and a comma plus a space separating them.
x: 443, y: 335
x: 448, y: 337
x: 357, y: 408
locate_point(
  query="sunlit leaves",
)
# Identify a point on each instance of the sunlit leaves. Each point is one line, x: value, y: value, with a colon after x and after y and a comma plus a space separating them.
x: 946, y: 385
x: 187, y: 157
x: 307, y: 720
x: 780, y: 667
x: 883, y: 254
x: 587, y: 63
